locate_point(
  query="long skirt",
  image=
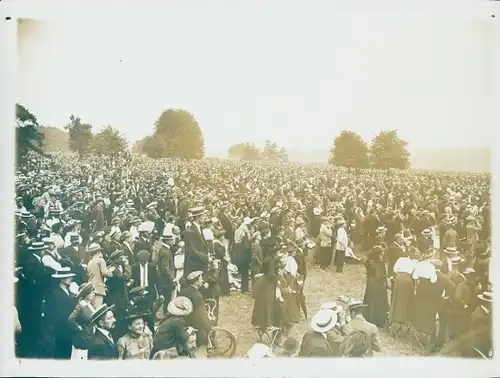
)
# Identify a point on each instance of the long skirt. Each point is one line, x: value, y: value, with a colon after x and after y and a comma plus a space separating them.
x: 376, y: 301
x: 401, y: 298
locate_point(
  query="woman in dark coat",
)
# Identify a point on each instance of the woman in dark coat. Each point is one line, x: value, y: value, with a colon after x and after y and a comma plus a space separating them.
x: 265, y: 308
x: 220, y: 254
x: 463, y: 304
x: 376, y: 301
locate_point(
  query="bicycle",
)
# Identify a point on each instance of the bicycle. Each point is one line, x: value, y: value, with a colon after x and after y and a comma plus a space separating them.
x: 217, y: 336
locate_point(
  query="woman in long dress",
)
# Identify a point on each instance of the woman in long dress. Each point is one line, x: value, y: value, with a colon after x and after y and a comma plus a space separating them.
x: 376, y: 300
x: 402, y: 292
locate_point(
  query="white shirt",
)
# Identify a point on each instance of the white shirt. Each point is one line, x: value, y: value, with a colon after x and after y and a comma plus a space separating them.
x: 208, y: 234
x: 50, y: 262
x: 169, y: 229
x: 342, y: 239
x: 299, y: 234
x: 134, y: 232
x: 144, y: 275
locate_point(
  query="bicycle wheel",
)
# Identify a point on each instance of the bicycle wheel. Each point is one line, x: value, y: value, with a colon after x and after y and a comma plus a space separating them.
x: 223, y: 343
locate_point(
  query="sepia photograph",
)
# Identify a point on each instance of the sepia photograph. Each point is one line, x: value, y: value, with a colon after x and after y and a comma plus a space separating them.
x: 253, y: 180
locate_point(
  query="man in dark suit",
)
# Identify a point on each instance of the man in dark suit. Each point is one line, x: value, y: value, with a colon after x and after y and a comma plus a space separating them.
x: 102, y: 345
x: 76, y: 254
x: 60, y: 304
x: 166, y: 270
x: 196, y: 248
x: 145, y: 274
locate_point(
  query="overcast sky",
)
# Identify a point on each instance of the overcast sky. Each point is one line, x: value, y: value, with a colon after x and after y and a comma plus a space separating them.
x: 250, y: 71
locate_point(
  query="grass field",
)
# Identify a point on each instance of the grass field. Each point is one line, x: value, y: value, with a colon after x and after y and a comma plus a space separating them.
x: 321, y: 286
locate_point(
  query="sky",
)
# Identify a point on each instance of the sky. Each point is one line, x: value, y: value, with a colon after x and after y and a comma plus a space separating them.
x: 296, y: 73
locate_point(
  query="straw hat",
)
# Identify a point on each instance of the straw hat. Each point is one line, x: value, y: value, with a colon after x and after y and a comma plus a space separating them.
x: 324, y: 320
x: 180, y: 306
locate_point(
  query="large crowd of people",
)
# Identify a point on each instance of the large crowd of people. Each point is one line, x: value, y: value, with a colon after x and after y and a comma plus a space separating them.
x: 105, y: 244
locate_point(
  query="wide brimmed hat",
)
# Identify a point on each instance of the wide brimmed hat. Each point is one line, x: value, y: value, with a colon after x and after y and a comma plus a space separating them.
x: 194, y: 275
x: 132, y: 313
x: 180, y: 306
x: 63, y: 272
x: 456, y: 260
x: 324, y: 320
x: 486, y: 296
x: 381, y: 229
x: 427, y: 232
x: 100, y: 312
x: 168, y: 237
x: 115, y: 255
x: 197, y: 211
x: 451, y: 250
x: 37, y: 246
x: 85, y: 289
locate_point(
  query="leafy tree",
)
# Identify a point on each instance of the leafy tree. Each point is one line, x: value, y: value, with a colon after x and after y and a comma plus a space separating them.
x: 270, y: 150
x: 177, y: 134
x: 109, y: 141
x: 282, y: 154
x: 29, y: 136
x: 244, y: 151
x: 55, y: 140
x: 388, y: 150
x: 138, y: 147
x: 349, y: 150
x: 80, y: 135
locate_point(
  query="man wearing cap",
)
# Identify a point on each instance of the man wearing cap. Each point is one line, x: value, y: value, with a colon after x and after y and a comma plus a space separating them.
x: 199, y: 317
x: 60, y: 304
x: 166, y: 270
x: 341, y: 245
x: 97, y: 270
x: 196, y: 248
x: 450, y: 236
x: 482, y: 325
x: 359, y: 323
x: 76, y: 254
x: 102, y: 345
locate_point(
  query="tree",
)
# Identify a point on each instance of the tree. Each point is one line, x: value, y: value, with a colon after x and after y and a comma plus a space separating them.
x: 55, y: 140
x: 29, y: 136
x: 80, y: 135
x: 349, y: 150
x: 282, y: 154
x: 109, y: 141
x: 177, y: 134
x: 270, y: 150
x: 389, y: 151
x: 244, y: 151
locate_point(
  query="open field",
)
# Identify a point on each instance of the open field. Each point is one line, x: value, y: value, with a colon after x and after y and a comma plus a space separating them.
x: 320, y: 287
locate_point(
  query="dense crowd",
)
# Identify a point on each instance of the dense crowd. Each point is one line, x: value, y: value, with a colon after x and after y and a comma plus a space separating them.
x: 115, y: 257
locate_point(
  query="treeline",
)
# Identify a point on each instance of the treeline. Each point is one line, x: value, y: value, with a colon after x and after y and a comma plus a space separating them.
x: 387, y: 150
x: 248, y: 151
x: 30, y: 135
x: 177, y: 134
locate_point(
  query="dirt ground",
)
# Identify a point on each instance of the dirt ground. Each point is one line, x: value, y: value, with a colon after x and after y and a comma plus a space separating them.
x: 321, y: 286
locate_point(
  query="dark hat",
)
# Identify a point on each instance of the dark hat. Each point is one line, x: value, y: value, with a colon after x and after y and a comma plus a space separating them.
x: 132, y: 313
x: 100, y: 312
x: 115, y: 255
x: 137, y: 291
x: 74, y: 237
x: 85, y: 289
